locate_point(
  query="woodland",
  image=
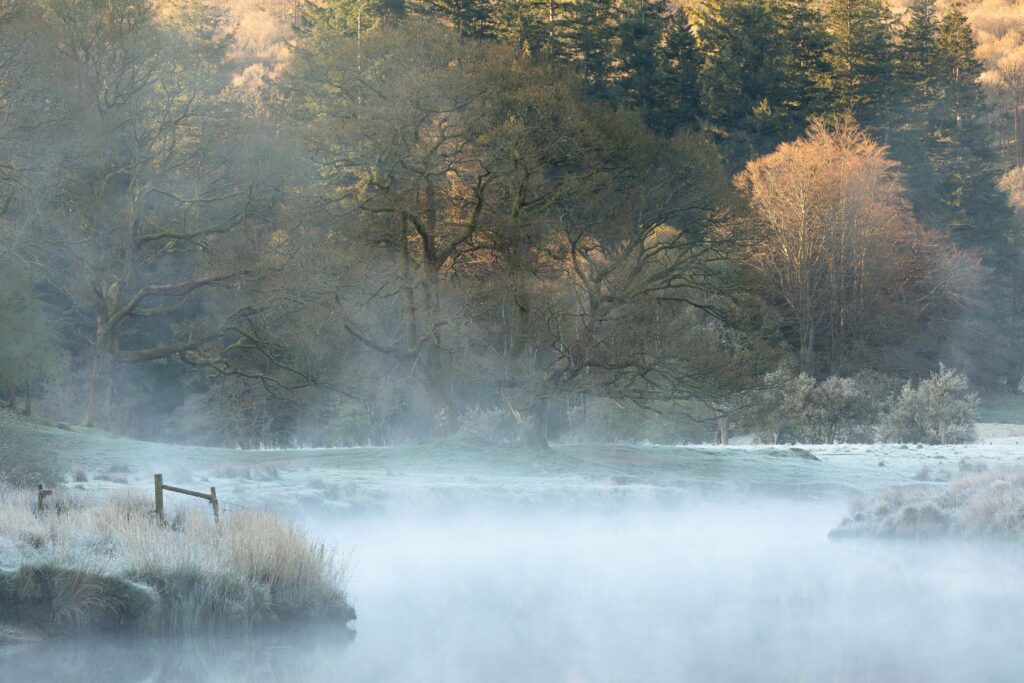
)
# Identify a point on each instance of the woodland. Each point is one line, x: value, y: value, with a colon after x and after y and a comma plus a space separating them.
x: 354, y: 222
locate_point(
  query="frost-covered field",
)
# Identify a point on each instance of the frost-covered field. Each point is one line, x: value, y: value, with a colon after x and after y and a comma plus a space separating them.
x: 600, y: 475
x: 595, y: 563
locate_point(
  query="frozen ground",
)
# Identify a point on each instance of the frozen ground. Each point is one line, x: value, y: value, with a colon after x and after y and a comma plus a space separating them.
x: 360, y: 480
x: 368, y: 479
x: 594, y: 563
x: 595, y: 476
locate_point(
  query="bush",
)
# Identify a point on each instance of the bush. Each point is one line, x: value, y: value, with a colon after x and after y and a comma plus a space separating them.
x: 839, y: 410
x: 114, y: 565
x: 793, y: 407
x: 880, y: 390
x: 940, y: 410
x: 779, y: 412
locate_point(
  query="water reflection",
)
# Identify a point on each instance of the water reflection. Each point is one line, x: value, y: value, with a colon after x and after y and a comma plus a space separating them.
x: 290, y: 654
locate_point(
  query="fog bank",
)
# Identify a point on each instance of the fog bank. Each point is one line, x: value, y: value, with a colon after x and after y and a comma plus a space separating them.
x: 714, y: 591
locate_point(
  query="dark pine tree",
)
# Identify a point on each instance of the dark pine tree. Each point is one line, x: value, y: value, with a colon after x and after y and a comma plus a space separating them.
x: 962, y: 147
x: 678, y: 103
x: 805, y: 67
x: 471, y: 18
x: 861, y: 60
x: 763, y: 74
x: 590, y: 37
x: 536, y: 26
x: 916, y: 85
x: 640, y: 33
x: 348, y: 17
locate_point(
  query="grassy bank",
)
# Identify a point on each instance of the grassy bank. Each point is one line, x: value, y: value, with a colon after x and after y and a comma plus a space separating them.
x: 985, y: 504
x: 32, y: 451
x: 80, y: 567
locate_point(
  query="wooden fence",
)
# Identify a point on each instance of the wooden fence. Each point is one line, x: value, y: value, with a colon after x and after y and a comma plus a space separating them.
x: 159, y: 487
x: 158, y: 490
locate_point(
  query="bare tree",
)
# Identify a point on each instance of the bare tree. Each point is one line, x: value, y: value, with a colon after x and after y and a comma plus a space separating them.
x: 840, y: 252
x: 145, y: 193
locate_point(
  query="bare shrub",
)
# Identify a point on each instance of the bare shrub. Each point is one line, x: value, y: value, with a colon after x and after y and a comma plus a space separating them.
x: 940, y: 410
x: 779, y: 411
x: 794, y: 407
x: 839, y: 410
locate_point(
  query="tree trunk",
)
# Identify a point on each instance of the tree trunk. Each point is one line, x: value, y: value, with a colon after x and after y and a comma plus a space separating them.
x: 807, y: 350
x: 443, y: 406
x: 1018, y: 131
x: 28, y: 400
x: 100, y: 376
x: 722, y: 431
x: 536, y: 435
x: 412, y: 332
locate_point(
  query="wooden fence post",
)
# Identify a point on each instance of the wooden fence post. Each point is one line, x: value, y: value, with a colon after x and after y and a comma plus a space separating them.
x: 158, y: 492
x: 215, y: 504
x: 43, y: 493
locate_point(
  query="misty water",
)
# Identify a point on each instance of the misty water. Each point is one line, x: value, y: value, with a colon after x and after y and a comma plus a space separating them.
x: 716, y: 587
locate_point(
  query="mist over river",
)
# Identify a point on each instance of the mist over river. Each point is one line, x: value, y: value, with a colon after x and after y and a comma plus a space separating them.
x: 738, y: 591
x: 736, y: 586
x: 596, y: 564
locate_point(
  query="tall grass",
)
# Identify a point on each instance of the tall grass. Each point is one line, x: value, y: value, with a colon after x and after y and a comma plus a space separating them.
x: 77, y: 566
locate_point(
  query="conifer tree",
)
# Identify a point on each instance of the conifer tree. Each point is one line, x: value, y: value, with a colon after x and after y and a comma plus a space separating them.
x: 640, y: 34
x: 943, y: 141
x: 861, y: 60
x: 347, y: 17
x: 804, y: 64
x: 917, y: 54
x: 471, y: 18
x: 916, y: 83
x: 962, y: 149
x: 679, y: 60
x: 590, y: 39
x: 531, y: 25
x: 763, y: 73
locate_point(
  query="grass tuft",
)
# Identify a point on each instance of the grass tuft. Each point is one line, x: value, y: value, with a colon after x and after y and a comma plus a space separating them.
x: 77, y: 567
